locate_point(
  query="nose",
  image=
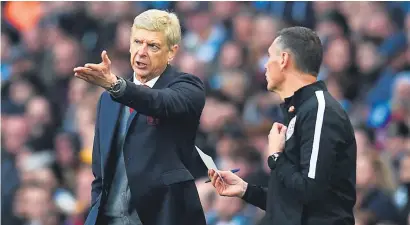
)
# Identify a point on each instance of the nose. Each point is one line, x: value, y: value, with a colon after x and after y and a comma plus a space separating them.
x: 266, y: 64
x: 143, y: 49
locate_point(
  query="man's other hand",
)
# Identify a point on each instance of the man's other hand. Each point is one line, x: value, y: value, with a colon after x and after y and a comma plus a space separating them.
x: 277, y: 138
x: 98, y: 74
x: 231, y: 186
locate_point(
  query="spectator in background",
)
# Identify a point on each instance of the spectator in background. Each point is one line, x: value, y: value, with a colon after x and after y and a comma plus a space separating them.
x: 242, y: 26
x: 247, y: 158
x: 402, y: 195
x: 41, y: 121
x: 401, y: 98
x: 364, y: 139
x: 263, y: 33
x: 67, y: 147
x: 82, y: 189
x: 204, y: 38
x: 396, y: 142
x: 374, y: 190
x: 228, y: 211
x: 29, y: 198
x: 331, y: 24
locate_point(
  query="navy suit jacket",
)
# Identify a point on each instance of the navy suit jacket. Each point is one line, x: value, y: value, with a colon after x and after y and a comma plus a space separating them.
x: 159, y: 150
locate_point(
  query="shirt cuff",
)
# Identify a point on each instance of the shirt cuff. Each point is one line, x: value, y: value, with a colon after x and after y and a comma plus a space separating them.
x: 246, y: 195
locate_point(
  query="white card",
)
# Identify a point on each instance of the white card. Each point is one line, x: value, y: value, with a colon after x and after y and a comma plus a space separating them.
x: 209, y: 162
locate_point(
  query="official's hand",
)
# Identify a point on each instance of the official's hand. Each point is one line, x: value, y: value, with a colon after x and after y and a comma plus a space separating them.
x: 277, y: 138
x: 231, y: 186
x: 98, y: 74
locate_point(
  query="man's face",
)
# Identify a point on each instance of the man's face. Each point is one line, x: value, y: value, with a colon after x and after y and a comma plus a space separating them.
x: 226, y: 207
x: 37, y: 203
x: 366, y: 177
x: 274, y: 66
x: 150, y: 52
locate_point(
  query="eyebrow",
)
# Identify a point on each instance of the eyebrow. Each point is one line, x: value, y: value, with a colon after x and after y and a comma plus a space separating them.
x: 154, y: 43
x: 150, y: 42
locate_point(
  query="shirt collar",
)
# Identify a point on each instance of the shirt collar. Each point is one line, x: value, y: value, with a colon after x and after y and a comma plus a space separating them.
x: 150, y: 83
x: 303, y: 94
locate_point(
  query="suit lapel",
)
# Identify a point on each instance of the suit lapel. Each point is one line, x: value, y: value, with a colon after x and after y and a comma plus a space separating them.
x: 162, y: 82
x: 165, y: 78
x: 130, y: 119
x: 134, y: 112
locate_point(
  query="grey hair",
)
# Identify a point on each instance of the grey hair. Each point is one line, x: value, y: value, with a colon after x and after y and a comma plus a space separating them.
x: 160, y: 21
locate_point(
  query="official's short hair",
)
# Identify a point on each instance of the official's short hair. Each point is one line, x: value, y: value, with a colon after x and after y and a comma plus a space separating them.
x: 304, y: 45
x: 160, y: 21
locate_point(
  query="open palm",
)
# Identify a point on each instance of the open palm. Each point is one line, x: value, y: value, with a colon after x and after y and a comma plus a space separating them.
x: 97, y: 74
x: 231, y: 185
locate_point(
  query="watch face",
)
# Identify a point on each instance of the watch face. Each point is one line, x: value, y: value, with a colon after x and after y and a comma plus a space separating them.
x: 116, y: 86
x: 271, y: 162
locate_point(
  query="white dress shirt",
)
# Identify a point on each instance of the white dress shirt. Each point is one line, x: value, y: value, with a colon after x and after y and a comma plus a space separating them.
x: 150, y: 83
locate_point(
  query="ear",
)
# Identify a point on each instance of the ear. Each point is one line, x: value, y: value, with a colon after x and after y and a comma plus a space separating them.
x: 284, y: 60
x: 172, y: 52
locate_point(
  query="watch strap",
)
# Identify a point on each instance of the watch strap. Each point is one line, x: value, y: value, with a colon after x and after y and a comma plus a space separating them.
x: 272, y: 160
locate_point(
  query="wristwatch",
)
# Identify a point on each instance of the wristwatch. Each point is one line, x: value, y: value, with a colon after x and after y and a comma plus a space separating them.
x: 116, y: 87
x: 272, y: 160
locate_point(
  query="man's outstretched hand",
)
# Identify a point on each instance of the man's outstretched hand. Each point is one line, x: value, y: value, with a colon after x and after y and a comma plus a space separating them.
x: 98, y: 74
x: 231, y: 186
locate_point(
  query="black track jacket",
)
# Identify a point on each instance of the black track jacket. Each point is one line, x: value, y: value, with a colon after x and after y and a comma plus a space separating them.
x: 313, y: 180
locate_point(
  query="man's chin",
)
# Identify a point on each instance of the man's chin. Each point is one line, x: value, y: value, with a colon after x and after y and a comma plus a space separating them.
x: 270, y: 87
x: 141, y: 72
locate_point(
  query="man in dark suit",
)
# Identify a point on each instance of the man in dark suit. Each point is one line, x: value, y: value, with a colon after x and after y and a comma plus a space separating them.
x: 145, y: 132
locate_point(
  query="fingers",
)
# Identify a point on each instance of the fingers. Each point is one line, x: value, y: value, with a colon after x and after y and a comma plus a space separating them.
x: 274, y: 128
x: 219, y: 182
x: 87, y: 72
x: 105, y: 59
x: 220, y: 186
x: 82, y: 76
x: 277, y: 127
x: 96, y: 67
x: 81, y: 69
x: 283, y: 130
x: 214, y: 179
x: 210, y: 173
x: 224, y: 173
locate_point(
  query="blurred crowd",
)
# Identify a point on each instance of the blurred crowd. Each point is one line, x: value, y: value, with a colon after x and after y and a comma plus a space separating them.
x: 48, y: 116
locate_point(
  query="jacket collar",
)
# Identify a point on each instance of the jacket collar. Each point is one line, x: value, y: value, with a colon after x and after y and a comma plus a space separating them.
x: 303, y: 94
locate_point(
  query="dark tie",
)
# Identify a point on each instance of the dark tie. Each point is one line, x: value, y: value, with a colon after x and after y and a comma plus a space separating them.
x: 131, y: 109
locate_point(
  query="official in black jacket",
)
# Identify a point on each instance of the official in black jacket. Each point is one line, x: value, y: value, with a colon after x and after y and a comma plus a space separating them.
x: 313, y: 155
